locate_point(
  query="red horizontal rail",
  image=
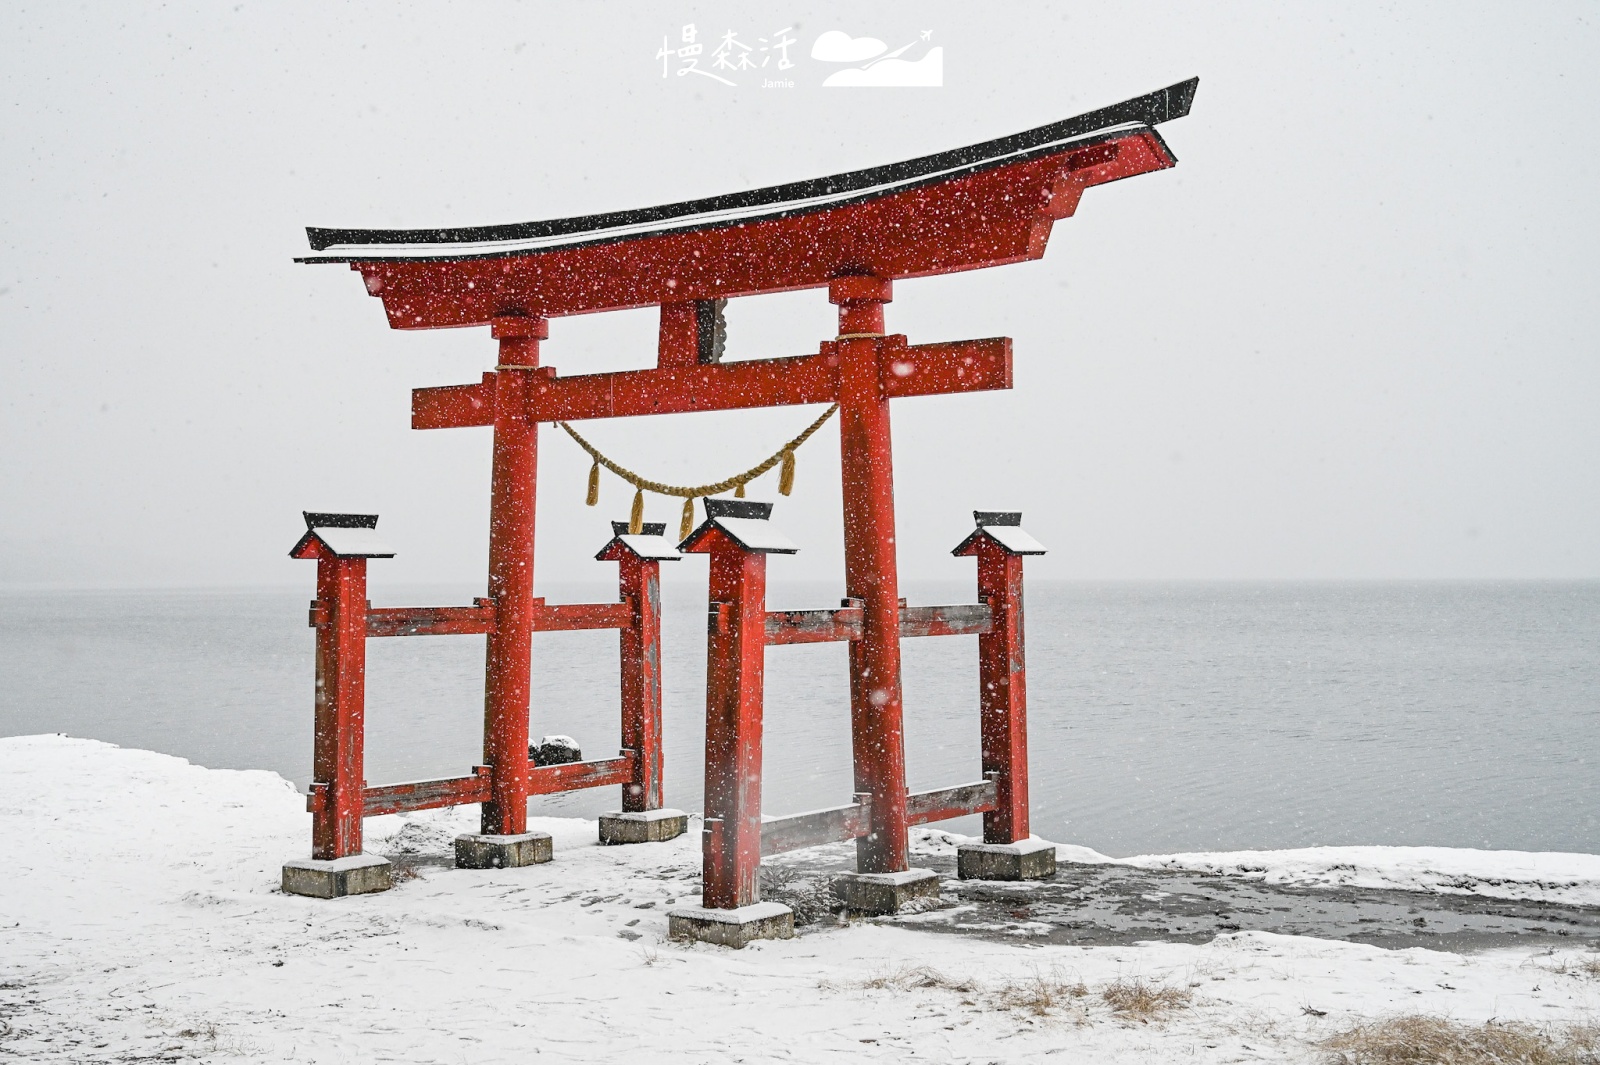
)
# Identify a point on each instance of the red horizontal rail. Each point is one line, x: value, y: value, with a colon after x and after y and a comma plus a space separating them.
x: 821, y: 626
x: 815, y: 828
x: 945, y: 803
x: 572, y: 616
x: 549, y: 779
x: 426, y: 794
x: 432, y: 620
x: 459, y: 791
x: 813, y: 626
x: 968, y: 619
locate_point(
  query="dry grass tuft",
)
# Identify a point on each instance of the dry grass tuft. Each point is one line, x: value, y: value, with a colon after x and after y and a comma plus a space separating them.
x: 918, y: 977
x: 1420, y: 1040
x: 1039, y: 995
x: 1136, y: 1000
x: 1043, y: 994
x: 1589, y: 967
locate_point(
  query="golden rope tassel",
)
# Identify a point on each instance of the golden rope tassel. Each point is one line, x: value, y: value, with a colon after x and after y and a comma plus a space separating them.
x: 786, y: 474
x: 689, y: 493
x: 686, y: 526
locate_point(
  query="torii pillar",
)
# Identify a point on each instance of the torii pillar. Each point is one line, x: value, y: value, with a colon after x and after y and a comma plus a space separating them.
x: 877, y: 725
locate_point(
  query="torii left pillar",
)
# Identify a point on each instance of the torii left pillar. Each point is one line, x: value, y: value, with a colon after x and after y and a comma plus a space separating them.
x: 505, y: 840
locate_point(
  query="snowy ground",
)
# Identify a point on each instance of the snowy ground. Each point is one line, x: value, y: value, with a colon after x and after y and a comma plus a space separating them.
x: 140, y: 921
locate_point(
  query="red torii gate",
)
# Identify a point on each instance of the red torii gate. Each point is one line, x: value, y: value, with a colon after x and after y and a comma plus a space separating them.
x: 984, y: 205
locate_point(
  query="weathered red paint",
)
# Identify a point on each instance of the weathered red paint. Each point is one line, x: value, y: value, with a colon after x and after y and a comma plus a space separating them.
x: 338, y: 748
x: 997, y: 216
x: 432, y: 620
x: 511, y: 523
x: 550, y: 779
x: 942, y: 804
x: 1003, y: 693
x: 572, y: 617
x: 735, y: 666
x: 871, y: 571
x: 640, y: 586
x: 428, y: 794
x: 813, y: 626
x: 812, y: 829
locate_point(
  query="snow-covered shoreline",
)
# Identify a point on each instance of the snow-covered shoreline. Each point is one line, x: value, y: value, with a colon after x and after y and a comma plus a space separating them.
x: 139, y: 916
x: 1558, y: 877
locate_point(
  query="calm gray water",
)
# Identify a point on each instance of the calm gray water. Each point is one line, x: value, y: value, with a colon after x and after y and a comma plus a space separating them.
x: 1163, y: 716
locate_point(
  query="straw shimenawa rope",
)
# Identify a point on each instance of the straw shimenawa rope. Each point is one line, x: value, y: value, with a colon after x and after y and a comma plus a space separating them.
x: 689, y: 493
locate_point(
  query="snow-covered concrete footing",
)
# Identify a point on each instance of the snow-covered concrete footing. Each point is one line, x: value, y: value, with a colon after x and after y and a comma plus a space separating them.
x: 1026, y: 859
x: 877, y: 894
x: 732, y: 928
x: 358, y: 874
x: 503, y: 852
x: 647, y: 826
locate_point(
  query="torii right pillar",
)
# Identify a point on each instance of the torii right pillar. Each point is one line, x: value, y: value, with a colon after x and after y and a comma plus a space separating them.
x: 1008, y: 850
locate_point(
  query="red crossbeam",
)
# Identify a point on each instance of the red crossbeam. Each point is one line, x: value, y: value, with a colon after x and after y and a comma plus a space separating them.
x: 457, y: 791
x: 833, y: 825
x: 914, y: 370
x: 968, y: 619
x: 431, y: 620
x: 549, y: 779
x: 479, y: 619
x: 813, y: 626
x: 425, y: 794
x: 839, y: 823
x: 945, y: 803
x: 570, y: 616
x: 823, y: 626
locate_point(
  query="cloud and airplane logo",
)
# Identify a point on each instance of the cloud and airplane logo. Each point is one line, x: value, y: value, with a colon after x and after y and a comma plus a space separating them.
x: 876, y: 66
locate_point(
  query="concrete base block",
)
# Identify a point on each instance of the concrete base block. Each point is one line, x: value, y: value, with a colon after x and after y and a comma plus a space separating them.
x: 732, y: 928
x: 1028, y: 859
x: 503, y: 852
x: 877, y: 894
x: 648, y: 826
x: 359, y: 874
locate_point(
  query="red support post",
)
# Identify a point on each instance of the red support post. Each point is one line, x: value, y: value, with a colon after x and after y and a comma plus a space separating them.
x: 511, y: 528
x: 1003, y: 694
x: 341, y: 699
x: 640, y: 581
x: 871, y: 573
x: 735, y: 663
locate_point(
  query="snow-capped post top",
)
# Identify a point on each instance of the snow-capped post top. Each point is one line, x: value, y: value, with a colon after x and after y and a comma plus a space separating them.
x: 340, y: 536
x: 650, y: 544
x: 745, y: 522
x: 1003, y: 528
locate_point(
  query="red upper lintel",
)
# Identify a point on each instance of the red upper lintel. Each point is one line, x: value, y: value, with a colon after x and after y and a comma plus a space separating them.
x: 987, y: 205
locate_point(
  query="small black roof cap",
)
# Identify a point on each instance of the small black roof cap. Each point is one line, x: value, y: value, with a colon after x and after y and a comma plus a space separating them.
x: 322, y: 520
x: 737, y: 508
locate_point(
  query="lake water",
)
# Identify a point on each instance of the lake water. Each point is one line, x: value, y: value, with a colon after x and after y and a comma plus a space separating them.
x: 1163, y: 716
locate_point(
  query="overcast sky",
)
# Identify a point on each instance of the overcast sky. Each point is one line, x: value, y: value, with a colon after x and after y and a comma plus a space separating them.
x: 1351, y: 335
